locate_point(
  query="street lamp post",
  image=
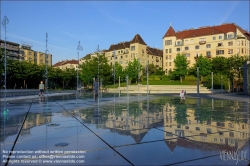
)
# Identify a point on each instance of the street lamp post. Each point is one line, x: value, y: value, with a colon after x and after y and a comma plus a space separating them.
x: 4, y: 23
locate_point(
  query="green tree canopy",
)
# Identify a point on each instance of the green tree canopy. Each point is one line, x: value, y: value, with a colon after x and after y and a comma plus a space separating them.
x: 181, y: 66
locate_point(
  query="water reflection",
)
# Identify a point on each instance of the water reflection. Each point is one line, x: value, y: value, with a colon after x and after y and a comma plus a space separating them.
x: 215, y: 124
x: 13, y: 124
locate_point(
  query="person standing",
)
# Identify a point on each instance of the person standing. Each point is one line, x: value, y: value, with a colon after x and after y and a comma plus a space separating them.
x: 96, y: 88
x: 41, y: 88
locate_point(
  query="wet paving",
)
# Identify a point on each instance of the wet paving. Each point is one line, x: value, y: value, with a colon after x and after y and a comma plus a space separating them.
x: 125, y: 130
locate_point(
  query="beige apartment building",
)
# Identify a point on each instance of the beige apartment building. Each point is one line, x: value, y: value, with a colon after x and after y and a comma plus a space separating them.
x: 136, y: 48
x: 67, y: 64
x: 34, y: 56
x: 91, y: 56
x: 210, y: 41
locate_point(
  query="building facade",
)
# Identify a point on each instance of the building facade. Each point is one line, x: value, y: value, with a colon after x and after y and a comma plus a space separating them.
x: 34, y: 56
x: 210, y: 41
x: 67, y: 64
x: 136, y: 48
x: 12, y: 50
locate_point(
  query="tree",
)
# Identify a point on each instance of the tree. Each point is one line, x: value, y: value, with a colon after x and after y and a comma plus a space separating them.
x: 220, y: 65
x: 89, y: 70
x: 204, y: 65
x: 133, y: 70
x: 181, y: 66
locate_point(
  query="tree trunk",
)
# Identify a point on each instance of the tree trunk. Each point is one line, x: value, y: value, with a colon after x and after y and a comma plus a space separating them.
x: 181, y: 79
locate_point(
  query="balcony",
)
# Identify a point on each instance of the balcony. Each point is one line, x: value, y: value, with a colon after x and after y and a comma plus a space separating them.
x: 241, y: 37
x: 202, y: 42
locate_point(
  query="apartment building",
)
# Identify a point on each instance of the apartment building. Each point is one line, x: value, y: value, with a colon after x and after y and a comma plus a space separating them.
x: 91, y: 56
x: 124, y: 52
x: 210, y: 41
x: 34, y: 56
x: 67, y: 64
x: 12, y: 50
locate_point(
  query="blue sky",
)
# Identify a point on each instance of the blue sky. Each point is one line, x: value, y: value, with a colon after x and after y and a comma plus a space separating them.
x: 109, y: 22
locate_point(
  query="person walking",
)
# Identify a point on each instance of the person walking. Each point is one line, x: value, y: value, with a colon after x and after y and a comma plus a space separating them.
x: 96, y: 88
x: 41, y: 88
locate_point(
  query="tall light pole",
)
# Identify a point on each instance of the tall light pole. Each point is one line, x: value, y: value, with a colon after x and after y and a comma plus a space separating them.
x: 79, y: 48
x: 198, y: 82
x: 46, y: 60
x: 4, y: 23
x: 114, y: 79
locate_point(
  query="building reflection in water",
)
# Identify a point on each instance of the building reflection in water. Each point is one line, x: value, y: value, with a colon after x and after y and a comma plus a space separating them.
x: 212, y: 127
x: 13, y: 124
x: 215, y: 124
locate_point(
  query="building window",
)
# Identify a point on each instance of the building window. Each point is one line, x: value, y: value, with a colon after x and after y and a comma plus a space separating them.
x: 196, y: 47
x: 186, y: 127
x: 242, y: 42
x: 118, y: 52
x: 242, y: 51
x: 192, y: 41
x: 238, y: 50
x: 230, y: 43
x: 187, y: 55
x: 168, y: 42
x: 170, y: 63
x: 231, y: 125
x: 208, y: 46
x: 126, y: 56
x: 110, y: 58
x: 126, y: 50
x: 186, y: 48
x: 221, y: 140
x: 220, y: 37
x: 231, y: 134
x: 178, y: 43
x: 152, y: 57
x: 121, y: 57
x: 202, y: 39
x: 170, y: 50
x: 166, y: 51
x: 178, y: 49
x: 215, y: 139
x: 230, y: 51
x: 132, y: 48
x: 238, y: 43
x: 120, y: 62
x: 197, y: 128
x: 214, y: 38
x: 166, y: 57
x: 166, y: 63
x: 219, y: 44
x: 230, y: 36
x: 219, y: 52
x: 208, y: 53
x: 186, y: 41
x: 170, y: 57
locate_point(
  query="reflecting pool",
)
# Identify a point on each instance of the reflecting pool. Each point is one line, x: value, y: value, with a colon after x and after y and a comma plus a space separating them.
x: 134, y: 130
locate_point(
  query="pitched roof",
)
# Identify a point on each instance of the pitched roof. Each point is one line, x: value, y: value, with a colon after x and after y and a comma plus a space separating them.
x: 154, y: 51
x: 138, y: 39
x: 121, y: 45
x: 65, y: 62
x: 170, y: 32
x: 205, y: 30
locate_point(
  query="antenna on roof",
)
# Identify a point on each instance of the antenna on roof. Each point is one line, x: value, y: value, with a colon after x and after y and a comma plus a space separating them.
x: 170, y: 24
